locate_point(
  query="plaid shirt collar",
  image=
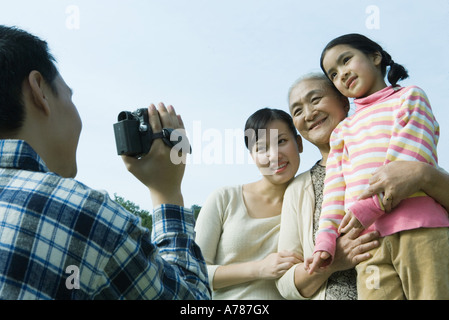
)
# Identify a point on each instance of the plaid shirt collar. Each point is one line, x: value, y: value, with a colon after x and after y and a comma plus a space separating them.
x: 18, y: 154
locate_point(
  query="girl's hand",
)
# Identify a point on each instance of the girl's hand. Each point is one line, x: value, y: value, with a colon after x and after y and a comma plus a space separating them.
x: 276, y: 264
x: 349, y: 222
x: 319, y: 260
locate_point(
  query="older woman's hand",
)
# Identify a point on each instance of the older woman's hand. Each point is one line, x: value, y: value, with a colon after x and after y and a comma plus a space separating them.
x: 397, y: 180
x: 353, y: 248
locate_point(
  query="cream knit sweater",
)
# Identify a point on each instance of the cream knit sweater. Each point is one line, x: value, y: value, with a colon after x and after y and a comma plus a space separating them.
x: 296, y: 233
x: 226, y: 235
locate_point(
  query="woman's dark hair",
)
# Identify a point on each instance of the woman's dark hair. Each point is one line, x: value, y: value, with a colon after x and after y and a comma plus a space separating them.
x: 360, y: 42
x: 20, y: 54
x: 260, y: 120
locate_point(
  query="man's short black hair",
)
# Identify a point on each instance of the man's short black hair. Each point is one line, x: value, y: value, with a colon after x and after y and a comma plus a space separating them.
x: 20, y: 54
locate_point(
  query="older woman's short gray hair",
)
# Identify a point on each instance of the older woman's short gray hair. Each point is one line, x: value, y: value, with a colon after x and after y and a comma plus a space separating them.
x: 327, y: 84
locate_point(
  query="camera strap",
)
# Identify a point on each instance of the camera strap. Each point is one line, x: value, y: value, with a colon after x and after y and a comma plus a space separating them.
x: 165, y: 135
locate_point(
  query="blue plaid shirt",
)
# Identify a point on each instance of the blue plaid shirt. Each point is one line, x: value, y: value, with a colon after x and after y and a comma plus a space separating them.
x: 62, y: 240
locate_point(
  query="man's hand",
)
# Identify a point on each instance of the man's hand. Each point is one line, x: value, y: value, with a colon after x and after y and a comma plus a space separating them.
x: 156, y: 170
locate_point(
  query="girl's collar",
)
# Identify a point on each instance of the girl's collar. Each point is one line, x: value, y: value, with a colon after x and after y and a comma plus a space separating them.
x: 376, y: 97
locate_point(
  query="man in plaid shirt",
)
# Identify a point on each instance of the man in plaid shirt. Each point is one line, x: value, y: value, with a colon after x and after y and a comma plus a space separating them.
x: 60, y: 239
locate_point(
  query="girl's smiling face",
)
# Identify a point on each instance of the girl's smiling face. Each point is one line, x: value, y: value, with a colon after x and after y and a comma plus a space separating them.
x: 354, y: 73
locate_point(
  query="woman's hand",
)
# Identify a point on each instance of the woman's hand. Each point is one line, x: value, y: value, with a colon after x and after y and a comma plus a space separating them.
x: 397, y: 180
x: 352, y: 249
x: 276, y: 264
x: 400, y: 179
x: 272, y: 266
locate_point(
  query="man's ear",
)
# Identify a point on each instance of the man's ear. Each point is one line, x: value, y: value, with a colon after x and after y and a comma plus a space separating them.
x: 39, y: 87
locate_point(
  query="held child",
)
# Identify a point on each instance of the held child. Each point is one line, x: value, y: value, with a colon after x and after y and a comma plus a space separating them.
x: 390, y: 123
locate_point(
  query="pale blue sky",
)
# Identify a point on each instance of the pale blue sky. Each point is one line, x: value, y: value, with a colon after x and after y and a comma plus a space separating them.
x: 217, y: 62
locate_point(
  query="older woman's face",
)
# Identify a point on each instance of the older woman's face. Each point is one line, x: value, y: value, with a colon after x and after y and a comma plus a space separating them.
x: 316, y: 110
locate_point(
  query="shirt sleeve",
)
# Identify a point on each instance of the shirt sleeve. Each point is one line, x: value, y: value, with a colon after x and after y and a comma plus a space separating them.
x: 167, y: 266
x: 333, y: 206
x: 290, y: 235
x: 209, y: 228
x: 414, y: 138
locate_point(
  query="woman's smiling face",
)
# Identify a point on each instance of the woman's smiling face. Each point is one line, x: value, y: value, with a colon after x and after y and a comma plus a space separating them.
x: 316, y: 110
x: 276, y: 152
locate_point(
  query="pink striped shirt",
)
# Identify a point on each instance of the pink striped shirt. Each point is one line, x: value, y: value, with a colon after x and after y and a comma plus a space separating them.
x: 392, y: 124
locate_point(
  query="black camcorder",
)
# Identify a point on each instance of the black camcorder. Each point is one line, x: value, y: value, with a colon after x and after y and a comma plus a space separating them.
x: 134, y: 136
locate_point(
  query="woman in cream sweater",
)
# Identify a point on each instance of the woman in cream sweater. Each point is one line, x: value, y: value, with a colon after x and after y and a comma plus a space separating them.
x: 238, y: 226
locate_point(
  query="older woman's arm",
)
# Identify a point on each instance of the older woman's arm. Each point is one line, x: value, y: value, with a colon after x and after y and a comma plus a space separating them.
x: 296, y: 236
x: 352, y: 248
x: 400, y: 179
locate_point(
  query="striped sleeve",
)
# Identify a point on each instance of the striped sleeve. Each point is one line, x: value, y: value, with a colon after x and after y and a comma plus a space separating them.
x: 333, y: 206
x: 414, y: 138
x: 416, y: 130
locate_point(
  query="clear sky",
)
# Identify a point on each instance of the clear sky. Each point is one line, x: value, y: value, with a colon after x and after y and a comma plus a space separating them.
x: 217, y: 62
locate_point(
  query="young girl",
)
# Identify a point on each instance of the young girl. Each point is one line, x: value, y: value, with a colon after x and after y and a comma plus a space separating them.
x: 390, y: 123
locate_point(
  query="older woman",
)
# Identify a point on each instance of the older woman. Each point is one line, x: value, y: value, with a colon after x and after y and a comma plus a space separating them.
x: 317, y: 107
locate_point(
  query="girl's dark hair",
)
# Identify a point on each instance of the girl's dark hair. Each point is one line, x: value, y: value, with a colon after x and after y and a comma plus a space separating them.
x: 360, y: 42
x: 20, y: 54
x: 260, y: 120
